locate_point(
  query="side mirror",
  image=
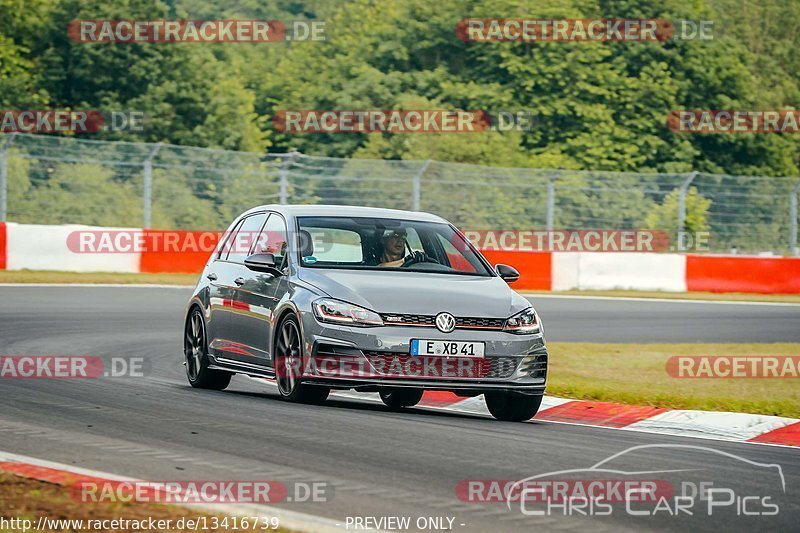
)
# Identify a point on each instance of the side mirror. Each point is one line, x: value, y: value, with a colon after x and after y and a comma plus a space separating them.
x: 262, y: 263
x: 509, y: 274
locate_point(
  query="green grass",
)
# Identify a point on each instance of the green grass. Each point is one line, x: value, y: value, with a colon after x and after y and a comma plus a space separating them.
x: 636, y: 374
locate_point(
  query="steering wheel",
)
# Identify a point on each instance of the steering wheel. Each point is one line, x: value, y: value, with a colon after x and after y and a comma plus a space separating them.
x: 418, y: 257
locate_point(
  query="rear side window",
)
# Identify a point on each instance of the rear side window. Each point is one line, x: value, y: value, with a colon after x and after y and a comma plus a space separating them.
x: 240, y: 244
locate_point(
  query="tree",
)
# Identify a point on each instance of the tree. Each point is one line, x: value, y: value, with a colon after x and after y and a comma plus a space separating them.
x: 665, y: 216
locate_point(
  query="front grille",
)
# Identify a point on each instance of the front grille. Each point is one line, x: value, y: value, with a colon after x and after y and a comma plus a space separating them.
x: 479, y: 323
x: 399, y: 365
x: 409, y: 320
x: 462, y: 322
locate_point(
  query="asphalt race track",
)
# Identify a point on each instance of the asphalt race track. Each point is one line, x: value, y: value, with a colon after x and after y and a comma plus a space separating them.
x: 377, y: 463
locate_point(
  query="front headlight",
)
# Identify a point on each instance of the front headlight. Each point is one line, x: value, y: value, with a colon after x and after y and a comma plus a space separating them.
x: 338, y: 312
x: 523, y: 323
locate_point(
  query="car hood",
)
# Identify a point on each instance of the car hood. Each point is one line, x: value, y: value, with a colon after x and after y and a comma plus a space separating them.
x: 419, y: 292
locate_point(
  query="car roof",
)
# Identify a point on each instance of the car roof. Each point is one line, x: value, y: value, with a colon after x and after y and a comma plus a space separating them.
x: 347, y: 211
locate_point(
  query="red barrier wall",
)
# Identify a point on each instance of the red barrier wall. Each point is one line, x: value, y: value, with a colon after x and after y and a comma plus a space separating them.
x: 535, y: 268
x: 160, y: 258
x: 765, y: 275
x: 3, y: 245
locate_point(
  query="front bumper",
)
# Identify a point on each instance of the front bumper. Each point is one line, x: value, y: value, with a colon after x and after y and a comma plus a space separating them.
x: 367, y: 359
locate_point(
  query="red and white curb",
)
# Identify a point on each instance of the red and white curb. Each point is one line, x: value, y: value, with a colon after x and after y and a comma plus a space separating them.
x: 736, y: 427
x: 67, y: 475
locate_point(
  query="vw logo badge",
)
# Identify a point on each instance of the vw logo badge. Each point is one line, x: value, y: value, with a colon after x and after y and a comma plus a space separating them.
x: 445, y: 322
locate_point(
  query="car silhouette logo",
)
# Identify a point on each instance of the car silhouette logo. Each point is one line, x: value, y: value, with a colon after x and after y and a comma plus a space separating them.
x: 445, y: 322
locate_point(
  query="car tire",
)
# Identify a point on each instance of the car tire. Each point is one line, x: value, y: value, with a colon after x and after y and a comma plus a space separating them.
x: 512, y: 407
x: 195, y: 352
x: 400, y: 398
x: 288, y: 366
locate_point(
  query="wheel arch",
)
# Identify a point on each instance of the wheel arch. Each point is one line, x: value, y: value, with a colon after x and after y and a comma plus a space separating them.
x: 194, y: 304
x: 280, y: 316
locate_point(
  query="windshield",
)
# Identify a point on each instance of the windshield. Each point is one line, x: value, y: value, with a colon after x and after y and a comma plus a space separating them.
x: 386, y: 244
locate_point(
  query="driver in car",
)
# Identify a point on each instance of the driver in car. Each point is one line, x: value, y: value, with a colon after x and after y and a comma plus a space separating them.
x: 394, y: 249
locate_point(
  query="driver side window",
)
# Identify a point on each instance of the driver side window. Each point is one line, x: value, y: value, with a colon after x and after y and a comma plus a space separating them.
x: 455, y: 258
x: 242, y: 240
x: 273, y: 240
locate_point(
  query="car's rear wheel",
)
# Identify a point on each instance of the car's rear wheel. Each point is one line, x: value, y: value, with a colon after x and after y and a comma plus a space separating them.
x: 512, y: 407
x: 288, y: 366
x: 399, y: 398
x: 195, y: 350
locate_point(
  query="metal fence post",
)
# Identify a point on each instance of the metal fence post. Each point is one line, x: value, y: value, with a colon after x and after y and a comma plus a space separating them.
x: 4, y: 178
x: 682, y: 203
x: 416, y: 187
x: 551, y: 200
x: 793, y: 220
x: 148, y: 184
x: 283, y: 177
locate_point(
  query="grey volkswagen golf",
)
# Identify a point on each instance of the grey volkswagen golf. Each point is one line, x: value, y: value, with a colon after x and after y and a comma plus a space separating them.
x: 376, y: 300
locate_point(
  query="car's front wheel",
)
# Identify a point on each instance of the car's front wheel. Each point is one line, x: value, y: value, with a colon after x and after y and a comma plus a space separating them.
x: 512, y: 407
x: 399, y: 398
x: 288, y: 366
x: 195, y: 351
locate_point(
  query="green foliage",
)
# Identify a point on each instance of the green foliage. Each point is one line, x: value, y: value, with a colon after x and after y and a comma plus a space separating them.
x: 598, y: 106
x: 84, y: 192
x: 665, y: 216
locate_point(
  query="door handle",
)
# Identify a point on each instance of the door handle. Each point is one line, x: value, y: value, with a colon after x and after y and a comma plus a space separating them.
x: 239, y: 281
x: 212, y: 277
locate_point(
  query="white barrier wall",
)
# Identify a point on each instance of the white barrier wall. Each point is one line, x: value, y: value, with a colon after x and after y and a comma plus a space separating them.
x: 565, y: 271
x: 39, y: 247
x: 626, y: 271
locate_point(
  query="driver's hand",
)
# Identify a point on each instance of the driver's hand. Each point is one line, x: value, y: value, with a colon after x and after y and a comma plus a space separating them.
x: 417, y: 257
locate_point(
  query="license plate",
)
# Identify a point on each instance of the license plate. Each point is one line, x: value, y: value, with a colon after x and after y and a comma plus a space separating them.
x: 447, y: 348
